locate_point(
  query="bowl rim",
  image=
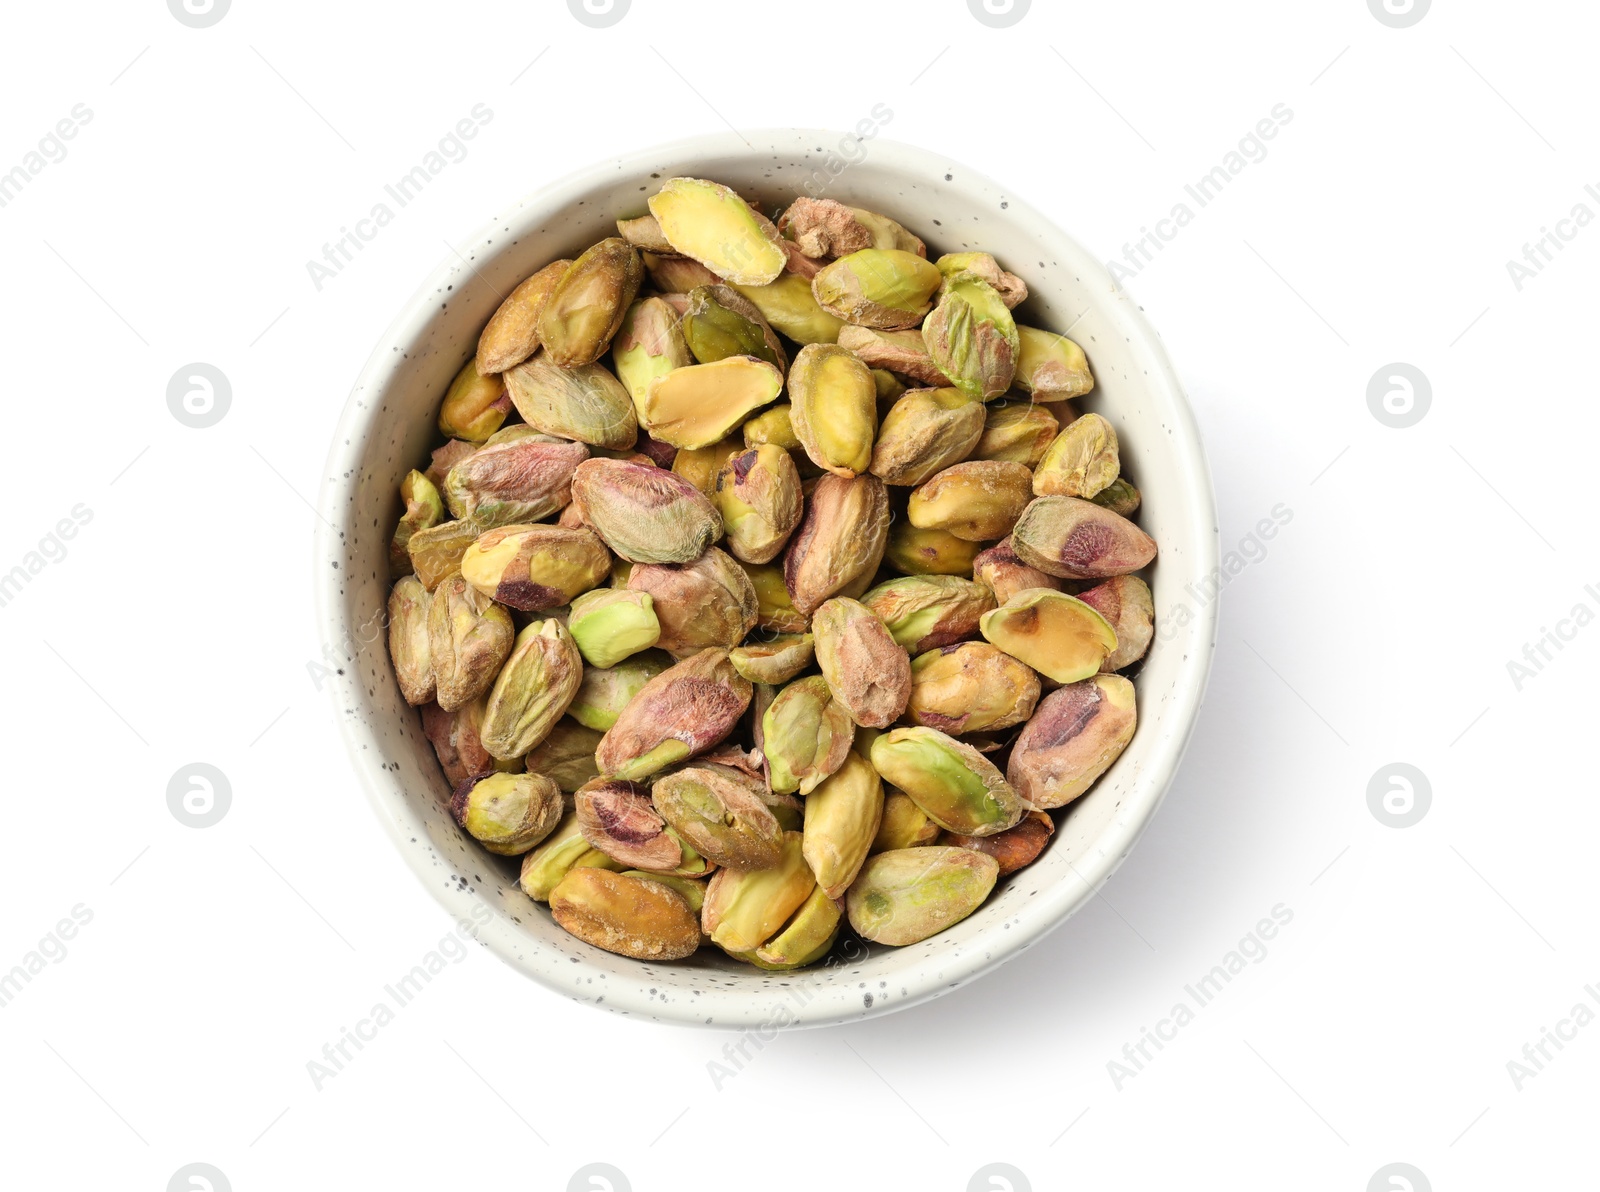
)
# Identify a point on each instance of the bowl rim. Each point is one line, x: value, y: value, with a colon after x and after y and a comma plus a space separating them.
x: 926, y: 975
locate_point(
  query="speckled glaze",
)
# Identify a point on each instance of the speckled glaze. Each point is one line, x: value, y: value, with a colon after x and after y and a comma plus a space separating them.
x: 388, y: 427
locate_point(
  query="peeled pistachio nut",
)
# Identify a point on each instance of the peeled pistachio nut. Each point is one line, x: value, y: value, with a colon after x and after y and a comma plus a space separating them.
x: 649, y: 344
x: 1050, y: 367
x: 584, y: 402
x: 805, y: 939
x: 1014, y: 848
x: 745, y: 908
x: 898, y: 351
x: 630, y: 916
x: 507, y: 813
x: 442, y: 459
x: 533, y: 689
x: 1058, y: 635
x: 469, y: 637
x: 675, y: 276
x: 436, y: 552
x: 562, y: 851
x: 408, y: 640
x: 722, y: 322
x: 959, y: 788
x: 424, y: 510
x: 775, y: 610
x: 840, y: 541
x: 1081, y: 462
x: 566, y: 756
x: 805, y: 735
x: 971, y: 687
x: 775, y: 661
x: 720, y: 811
x: 834, y: 408
x: 611, y: 624
x: 1073, y: 738
x: 710, y: 223
x: 519, y: 475
x: 456, y: 741
x: 971, y: 338
x: 924, y: 612
x: 619, y: 819
x: 699, y: 404
x: 534, y: 568
x: 586, y: 306
x: 877, y: 287
x: 701, y: 465
x: 689, y: 889
x: 1121, y: 497
x: 926, y: 430
x: 513, y: 333
x: 999, y: 569
x: 842, y: 816
x: 866, y: 670
x: 979, y: 500
x: 475, y: 406
x: 904, y: 825
x: 773, y: 425
x: 605, y: 691
x: 1076, y: 539
x: 790, y: 306
x: 1016, y: 431
x: 824, y: 228
x: 1012, y: 289
x: 645, y: 234
x: 679, y: 713
x: 707, y: 603
x: 904, y: 896
x: 1126, y: 603
x: 928, y: 552
x: 645, y: 513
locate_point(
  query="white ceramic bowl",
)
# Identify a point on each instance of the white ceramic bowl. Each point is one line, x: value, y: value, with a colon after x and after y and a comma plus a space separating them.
x: 388, y: 428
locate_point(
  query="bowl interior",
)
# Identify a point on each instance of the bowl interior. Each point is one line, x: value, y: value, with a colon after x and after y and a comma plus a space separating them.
x: 388, y: 428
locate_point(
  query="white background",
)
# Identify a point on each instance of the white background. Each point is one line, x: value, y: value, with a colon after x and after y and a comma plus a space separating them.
x: 177, y: 628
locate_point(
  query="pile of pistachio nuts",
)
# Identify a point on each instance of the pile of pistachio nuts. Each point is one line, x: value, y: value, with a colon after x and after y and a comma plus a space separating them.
x: 768, y: 585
